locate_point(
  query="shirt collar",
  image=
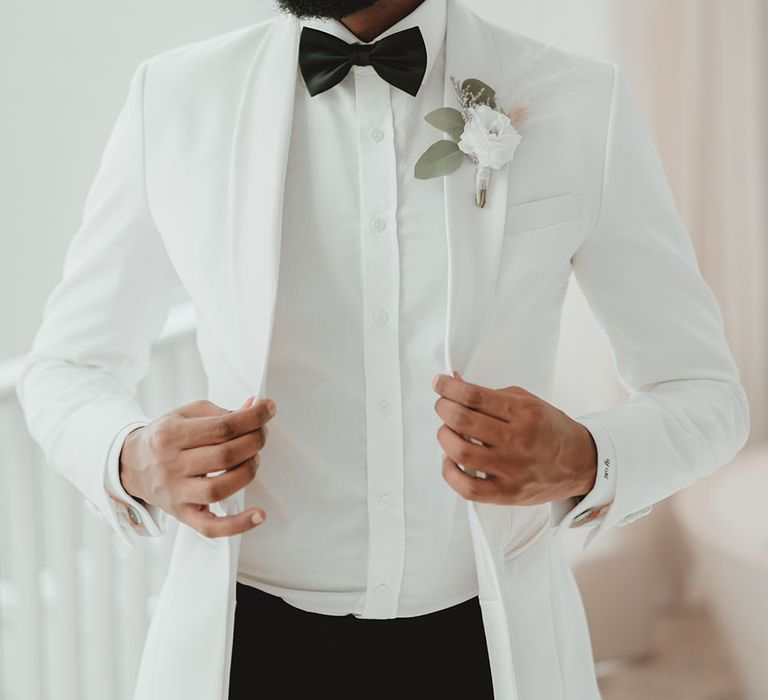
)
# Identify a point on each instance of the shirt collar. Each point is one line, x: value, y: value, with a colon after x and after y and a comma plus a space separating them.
x: 430, y: 17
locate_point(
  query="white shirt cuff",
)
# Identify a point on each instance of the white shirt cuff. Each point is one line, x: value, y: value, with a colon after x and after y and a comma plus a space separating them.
x: 592, y: 507
x: 136, y: 516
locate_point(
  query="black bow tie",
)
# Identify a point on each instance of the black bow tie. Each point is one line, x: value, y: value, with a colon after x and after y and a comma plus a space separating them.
x: 400, y: 58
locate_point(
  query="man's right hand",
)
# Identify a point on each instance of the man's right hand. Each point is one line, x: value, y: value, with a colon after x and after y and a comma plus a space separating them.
x: 167, y: 462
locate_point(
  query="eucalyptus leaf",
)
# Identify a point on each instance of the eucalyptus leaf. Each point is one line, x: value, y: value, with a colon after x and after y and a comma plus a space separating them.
x: 441, y: 158
x: 483, y: 94
x: 447, y: 119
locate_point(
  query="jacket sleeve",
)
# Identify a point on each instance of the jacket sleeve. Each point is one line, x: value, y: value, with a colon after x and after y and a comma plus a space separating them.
x: 78, y: 382
x: 687, y: 413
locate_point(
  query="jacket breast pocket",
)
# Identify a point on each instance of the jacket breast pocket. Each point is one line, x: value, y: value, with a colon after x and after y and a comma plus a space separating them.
x: 541, y: 213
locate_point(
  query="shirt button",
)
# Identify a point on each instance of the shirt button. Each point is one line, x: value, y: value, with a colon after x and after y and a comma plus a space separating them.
x: 383, y: 407
x: 377, y: 134
x: 378, y: 224
x: 381, y: 317
x: 385, y: 500
x: 381, y: 588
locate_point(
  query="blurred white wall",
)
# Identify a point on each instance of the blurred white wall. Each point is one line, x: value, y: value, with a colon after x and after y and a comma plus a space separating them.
x: 64, y: 72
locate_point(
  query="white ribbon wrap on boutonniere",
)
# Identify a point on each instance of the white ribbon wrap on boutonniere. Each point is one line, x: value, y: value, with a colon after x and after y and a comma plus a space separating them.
x: 481, y: 130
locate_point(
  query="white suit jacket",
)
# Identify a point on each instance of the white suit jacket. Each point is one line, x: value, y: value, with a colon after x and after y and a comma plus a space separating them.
x: 190, y: 190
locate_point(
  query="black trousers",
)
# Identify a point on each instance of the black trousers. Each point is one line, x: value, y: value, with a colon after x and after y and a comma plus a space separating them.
x: 280, y: 651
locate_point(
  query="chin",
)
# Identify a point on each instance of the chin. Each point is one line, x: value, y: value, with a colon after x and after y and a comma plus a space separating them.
x: 323, y: 9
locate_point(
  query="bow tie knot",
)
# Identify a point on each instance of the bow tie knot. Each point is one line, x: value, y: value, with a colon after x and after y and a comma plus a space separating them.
x: 400, y: 59
x: 361, y: 54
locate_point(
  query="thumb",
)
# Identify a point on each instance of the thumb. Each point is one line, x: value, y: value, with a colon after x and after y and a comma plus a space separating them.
x: 248, y: 402
x: 201, y: 408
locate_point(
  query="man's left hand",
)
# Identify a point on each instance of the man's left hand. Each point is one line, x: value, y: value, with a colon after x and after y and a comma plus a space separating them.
x: 531, y: 451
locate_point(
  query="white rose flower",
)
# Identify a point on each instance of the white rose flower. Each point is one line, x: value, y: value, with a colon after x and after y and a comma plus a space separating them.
x: 489, y: 136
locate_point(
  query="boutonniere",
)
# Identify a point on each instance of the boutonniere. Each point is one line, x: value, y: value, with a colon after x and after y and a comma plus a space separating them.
x: 481, y: 130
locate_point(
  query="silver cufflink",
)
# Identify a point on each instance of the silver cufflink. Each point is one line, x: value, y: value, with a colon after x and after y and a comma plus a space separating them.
x: 133, y: 516
x: 582, y: 516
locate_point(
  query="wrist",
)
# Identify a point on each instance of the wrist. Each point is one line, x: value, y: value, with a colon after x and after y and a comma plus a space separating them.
x: 585, y: 461
x: 127, y: 473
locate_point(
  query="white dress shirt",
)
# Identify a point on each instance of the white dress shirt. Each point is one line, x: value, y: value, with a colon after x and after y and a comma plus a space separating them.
x: 359, y: 517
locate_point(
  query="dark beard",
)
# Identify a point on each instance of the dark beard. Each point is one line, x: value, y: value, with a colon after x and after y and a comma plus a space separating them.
x: 323, y: 9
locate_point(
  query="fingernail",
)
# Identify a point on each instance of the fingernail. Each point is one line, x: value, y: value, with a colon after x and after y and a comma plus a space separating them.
x: 248, y: 402
x: 257, y: 518
x: 434, y: 381
x: 271, y: 408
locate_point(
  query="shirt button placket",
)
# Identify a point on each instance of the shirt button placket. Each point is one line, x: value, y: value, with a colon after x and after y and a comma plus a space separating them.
x: 381, y: 280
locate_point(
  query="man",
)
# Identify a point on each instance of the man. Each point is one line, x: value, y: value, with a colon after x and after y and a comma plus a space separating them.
x: 403, y: 536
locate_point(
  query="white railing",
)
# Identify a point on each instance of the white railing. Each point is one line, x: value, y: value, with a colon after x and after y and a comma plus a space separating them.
x: 75, y: 601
